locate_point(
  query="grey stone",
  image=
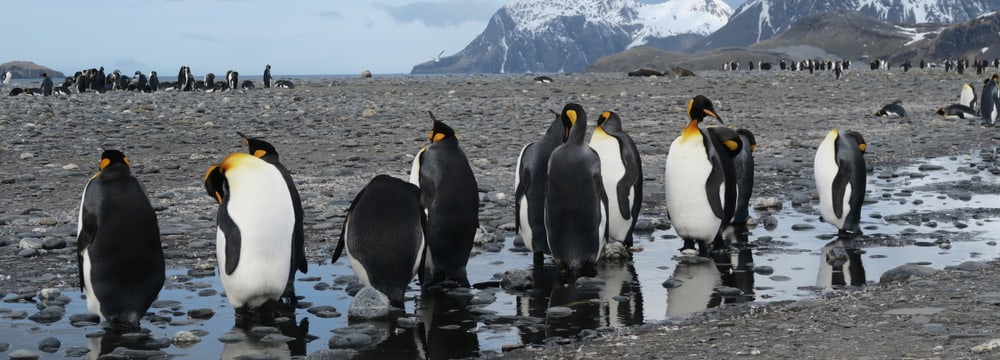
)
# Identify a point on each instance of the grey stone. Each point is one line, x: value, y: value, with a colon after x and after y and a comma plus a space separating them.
x: 54, y: 243
x: 185, y: 337
x: 369, y: 303
x: 349, y: 340
x: 48, y: 315
x: 201, y: 314
x: 49, y: 344
x: 904, y: 272
x: 517, y: 280
x: 558, y: 312
x: 332, y: 354
x: 276, y: 338
x: 232, y: 337
x: 22, y: 354
x: 30, y: 243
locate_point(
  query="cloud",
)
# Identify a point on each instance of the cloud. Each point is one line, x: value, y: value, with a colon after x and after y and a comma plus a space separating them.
x: 443, y: 14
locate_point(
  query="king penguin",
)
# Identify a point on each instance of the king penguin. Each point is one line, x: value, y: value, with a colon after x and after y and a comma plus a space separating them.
x: 990, y: 109
x: 529, y: 187
x: 892, y: 110
x: 119, y: 254
x: 449, y: 196
x: 384, y: 236
x: 840, y: 180
x: 265, y: 151
x: 967, y: 96
x: 621, y: 173
x: 743, y: 164
x: 700, y: 179
x: 255, y: 223
x: 576, y: 206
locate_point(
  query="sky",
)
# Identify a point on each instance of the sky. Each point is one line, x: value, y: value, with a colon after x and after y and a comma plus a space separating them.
x: 296, y: 37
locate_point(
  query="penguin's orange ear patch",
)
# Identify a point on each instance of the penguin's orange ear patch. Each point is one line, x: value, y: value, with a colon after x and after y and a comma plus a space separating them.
x: 105, y: 163
x: 732, y: 145
x: 571, y: 114
x: 259, y: 153
x: 862, y: 147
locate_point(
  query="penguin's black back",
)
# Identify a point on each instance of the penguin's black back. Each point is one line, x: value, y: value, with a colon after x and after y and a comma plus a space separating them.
x: 450, y: 195
x: 121, y: 233
x: 533, y: 178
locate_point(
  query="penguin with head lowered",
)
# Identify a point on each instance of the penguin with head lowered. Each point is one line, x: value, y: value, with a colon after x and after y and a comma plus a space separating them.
x: 119, y: 253
x: 529, y: 187
x: 383, y: 234
x: 700, y: 179
x: 265, y: 151
x: 840, y: 180
x: 576, y: 206
x: 621, y: 173
x: 255, y: 224
x: 449, y: 196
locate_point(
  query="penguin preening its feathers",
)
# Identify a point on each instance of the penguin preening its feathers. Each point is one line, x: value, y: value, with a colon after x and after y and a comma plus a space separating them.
x: 120, y: 257
x: 841, y: 177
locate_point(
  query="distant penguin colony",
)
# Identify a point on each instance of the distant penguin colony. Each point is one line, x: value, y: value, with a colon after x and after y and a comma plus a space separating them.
x: 119, y: 254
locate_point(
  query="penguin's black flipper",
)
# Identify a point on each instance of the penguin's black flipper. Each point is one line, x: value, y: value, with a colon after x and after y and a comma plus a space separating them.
x: 714, y: 186
x: 629, y: 156
x: 840, y: 182
x: 233, y: 240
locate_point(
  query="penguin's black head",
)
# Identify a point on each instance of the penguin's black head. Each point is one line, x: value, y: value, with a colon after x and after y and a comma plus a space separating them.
x: 215, y: 183
x: 440, y: 131
x: 570, y: 114
x: 614, y: 124
x: 699, y: 107
x: 111, y: 157
x: 258, y: 147
x: 856, y: 136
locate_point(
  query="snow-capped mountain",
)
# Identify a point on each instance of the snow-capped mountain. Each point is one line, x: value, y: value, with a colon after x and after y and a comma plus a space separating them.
x: 758, y: 20
x: 566, y: 36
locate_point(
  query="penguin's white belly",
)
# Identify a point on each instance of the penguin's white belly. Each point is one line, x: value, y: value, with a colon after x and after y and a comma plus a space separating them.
x: 524, y: 225
x: 263, y: 212
x: 612, y: 171
x: 93, y: 303
x: 825, y: 167
x: 688, y: 169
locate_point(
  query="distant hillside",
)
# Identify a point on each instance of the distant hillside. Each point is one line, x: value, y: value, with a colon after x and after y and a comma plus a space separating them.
x: 660, y: 60
x: 28, y: 70
x: 973, y: 39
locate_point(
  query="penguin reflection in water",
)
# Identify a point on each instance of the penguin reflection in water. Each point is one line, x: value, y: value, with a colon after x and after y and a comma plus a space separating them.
x: 256, y: 226
x: 701, y: 179
x: 119, y: 253
x: 449, y: 197
x: 841, y: 176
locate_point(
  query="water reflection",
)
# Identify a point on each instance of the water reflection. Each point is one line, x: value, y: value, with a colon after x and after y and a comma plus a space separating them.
x: 613, y: 298
x: 840, y: 265
x: 104, y: 342
x: 736, y: 265
x: 448, y: 330
x: 696, y: 279
x: 281, y: 338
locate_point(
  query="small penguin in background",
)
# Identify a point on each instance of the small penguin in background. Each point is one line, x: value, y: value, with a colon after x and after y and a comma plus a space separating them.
x: 744, y: 167
x: 449, y: 196
x: 267, y: 76
x: 233, y: 79
x: 621, y: 173
x: 990, y: 109
x: 958, y: 111
x: 119, y: 254
x: 892, y: 110
x: 265, y: 151
x: 255, y: 223
x: 383, y: 234
x: 576, y: 206
x: 700, y: 179
x: 968, y: 96
x: 841, y: 177
x: 529, y: 187
x: 154, y: 81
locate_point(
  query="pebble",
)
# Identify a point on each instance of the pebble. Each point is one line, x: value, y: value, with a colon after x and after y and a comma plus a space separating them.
x: 369, y: 303
x: 232, y: 337
x: 185, y: 337
x: 22, y: 354
x: 558, y: 312
x: 517, y: 280
x: 49, y: 344
x: 905, y: 272
x: 201, y: 314
x: 349, y: 340
x: 332, y: 354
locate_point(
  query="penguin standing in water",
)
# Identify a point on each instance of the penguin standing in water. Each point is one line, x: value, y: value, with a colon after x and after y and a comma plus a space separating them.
x: 256, y: 220
x: 120, y: 257
x: 384, y: 236
x: 743, y: 164
x: 700, y: 179
x: 840, y: 180
x: 576, y: 206
x: 449, y: 196
x: 621, y: 173
x: 529, y: 187
x: 265, y: 151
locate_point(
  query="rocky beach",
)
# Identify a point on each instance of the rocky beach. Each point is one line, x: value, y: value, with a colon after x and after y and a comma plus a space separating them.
x: 334, y: 134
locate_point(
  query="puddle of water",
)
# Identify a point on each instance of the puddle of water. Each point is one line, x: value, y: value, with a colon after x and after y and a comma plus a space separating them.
x: 768, y: 264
